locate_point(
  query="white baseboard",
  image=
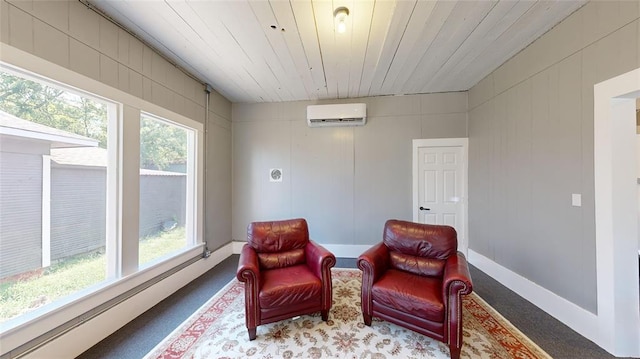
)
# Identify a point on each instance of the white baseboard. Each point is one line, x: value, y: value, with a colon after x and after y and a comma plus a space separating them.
x: 572, y: 315
x: 83, y: 337
x: 338, y: 250
x: 237, y: 246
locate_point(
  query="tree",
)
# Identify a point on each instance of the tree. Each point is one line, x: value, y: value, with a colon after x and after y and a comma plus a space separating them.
x: 161, y: 144
x: 50, y: 106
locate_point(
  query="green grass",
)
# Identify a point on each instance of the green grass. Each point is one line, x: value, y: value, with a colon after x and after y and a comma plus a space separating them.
x: 23, y: 295
x: 155, y: 247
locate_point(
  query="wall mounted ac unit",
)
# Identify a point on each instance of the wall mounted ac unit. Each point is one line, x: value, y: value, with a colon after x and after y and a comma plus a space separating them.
x: 348, y: 114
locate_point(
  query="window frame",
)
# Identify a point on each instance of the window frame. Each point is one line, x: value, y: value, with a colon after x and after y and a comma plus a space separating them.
x: 122, y: 203
x: 112, y: 236
x: 191, y: 183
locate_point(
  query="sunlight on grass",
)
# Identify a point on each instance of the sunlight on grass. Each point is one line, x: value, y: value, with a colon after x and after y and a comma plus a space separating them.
x: 19, y: 296
x: 59, y: 280
x: 155, y: 247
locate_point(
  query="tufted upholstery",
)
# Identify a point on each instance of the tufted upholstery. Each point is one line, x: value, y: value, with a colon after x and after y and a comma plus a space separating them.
x: 415, y: 278
x: 285, y: 273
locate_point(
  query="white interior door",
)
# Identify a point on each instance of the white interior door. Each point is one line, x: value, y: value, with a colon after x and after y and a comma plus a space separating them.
x: 440, y: 184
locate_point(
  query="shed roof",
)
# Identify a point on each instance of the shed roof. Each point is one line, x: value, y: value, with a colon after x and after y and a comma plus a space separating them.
x: 94, y: 157
x: 11, y: 125
x: 80, y: 156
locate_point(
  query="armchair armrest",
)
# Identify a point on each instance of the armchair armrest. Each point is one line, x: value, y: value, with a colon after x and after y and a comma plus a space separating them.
x: 248, y: 267
x: 456, y: 276
x: 456, y: 282
x: 249, y: 273
x: 373, y: 263
x: 319, y: 259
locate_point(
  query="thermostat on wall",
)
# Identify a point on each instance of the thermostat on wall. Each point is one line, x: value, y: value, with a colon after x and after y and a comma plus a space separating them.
x: 275, y: 175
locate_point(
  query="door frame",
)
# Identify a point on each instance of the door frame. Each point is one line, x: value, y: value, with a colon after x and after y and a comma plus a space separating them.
x: 616, y: 214
x: 463, y: 143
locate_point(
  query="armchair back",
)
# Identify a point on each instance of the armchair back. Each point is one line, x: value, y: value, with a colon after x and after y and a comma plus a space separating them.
x: 279, y: 244
x: 419, y: 249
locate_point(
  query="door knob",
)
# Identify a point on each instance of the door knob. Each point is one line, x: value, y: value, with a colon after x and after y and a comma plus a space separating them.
x: 424, y: 209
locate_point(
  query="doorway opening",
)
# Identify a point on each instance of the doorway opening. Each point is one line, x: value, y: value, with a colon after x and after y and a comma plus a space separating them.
x: 616, y: 213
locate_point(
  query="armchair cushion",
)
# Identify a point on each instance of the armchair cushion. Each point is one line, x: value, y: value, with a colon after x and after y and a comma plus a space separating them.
x: 289, y: 286
x: 417, y: 265
x: 408, y: 293
x: 281, y: 260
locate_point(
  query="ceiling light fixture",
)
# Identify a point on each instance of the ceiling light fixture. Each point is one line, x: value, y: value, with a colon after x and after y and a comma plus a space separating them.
x: 340, y: 14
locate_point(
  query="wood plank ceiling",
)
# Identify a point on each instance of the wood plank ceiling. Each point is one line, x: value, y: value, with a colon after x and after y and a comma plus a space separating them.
x: 279, y: 50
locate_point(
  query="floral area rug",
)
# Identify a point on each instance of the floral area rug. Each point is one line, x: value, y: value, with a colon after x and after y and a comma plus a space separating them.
x: 217, y: 330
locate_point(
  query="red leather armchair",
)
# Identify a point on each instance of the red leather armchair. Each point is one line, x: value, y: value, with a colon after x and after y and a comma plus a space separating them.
x: 285, y: 273
x: 415, y: 278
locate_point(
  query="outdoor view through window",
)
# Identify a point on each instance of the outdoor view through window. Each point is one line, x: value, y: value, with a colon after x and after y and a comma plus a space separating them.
x: 53, y: 193
x: 58, y: 194
x: 166, y: 178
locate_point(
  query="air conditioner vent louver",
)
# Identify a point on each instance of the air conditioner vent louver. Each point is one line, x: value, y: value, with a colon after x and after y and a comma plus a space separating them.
x: 353, y: 114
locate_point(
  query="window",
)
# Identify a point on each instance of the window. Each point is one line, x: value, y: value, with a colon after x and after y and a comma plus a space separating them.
x: 166, y: 188
x: 71, y: 236
x: 54, y: 144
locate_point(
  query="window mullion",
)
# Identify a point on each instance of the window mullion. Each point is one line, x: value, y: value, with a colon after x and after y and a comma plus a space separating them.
x: 130, y: 204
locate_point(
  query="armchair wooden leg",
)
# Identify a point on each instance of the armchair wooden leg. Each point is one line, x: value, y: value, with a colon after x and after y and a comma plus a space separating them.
x: 252, y: 333
x: 367, y: 319
x: 455, y: 351
x: 325, y: 315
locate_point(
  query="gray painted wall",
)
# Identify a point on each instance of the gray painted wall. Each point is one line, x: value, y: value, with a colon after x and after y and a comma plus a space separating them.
x: 531, y: 147
x: 218, y: 171
x: 346, y: 181
x: 70, y: 35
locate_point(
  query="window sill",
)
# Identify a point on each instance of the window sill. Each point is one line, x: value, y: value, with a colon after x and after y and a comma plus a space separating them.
x: 56, y: 318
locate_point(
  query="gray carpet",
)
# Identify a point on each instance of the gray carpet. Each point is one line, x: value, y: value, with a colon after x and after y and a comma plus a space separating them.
x: 143, y: 333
